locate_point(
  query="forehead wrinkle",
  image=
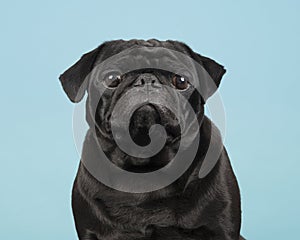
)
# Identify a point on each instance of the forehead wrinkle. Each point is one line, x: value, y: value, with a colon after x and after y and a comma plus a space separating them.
x: 145, y: 58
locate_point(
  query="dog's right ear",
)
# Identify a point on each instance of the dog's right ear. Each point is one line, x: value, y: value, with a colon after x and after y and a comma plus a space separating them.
x: 73, y: 79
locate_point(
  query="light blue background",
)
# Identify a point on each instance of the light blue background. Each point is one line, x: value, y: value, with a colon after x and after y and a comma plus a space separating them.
x: 257, y: 41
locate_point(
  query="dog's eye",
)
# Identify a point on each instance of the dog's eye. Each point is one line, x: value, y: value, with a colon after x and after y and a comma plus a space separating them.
x: 112, y: 80
x: 180, y: 82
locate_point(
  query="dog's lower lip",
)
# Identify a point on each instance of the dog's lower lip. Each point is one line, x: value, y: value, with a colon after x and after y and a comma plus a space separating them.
x: 142, y: 168
x: 139, y: 169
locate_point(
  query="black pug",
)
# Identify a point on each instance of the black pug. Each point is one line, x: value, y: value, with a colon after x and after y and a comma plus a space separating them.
x: 189, y: 208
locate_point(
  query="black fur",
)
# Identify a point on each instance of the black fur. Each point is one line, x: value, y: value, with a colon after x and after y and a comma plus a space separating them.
x: 190, y: 208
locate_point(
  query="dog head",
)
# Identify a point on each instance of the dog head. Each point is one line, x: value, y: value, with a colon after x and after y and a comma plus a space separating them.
x: 146, y: 81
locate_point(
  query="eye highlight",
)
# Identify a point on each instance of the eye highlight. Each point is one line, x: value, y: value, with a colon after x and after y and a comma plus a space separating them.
x: 112, y: 80
x: 180, y: 82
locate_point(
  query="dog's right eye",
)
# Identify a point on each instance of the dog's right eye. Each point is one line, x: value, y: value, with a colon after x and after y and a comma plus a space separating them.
x: 112, y: 80
x: 180, y: 82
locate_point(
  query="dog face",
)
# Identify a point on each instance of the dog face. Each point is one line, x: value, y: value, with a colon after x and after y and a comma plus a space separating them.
x: 149, y: 90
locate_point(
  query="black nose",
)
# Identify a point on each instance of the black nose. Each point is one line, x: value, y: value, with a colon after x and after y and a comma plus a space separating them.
x: 146, y: 78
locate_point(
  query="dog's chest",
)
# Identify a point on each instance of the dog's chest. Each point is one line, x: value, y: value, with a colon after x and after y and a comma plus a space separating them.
x: 142, y: 215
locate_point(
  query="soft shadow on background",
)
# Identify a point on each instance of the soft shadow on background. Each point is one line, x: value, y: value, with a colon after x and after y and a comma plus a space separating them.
x: 257, y: 41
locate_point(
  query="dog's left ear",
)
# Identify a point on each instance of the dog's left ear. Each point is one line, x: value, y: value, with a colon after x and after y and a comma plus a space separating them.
x: 210, y: 78
x: 73, y: 79
x: 215, y: 71
x: 208, y: 83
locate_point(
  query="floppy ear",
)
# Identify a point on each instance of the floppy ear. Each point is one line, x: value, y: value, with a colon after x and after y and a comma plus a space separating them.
x: 215, y: 71
x: 73, y: 78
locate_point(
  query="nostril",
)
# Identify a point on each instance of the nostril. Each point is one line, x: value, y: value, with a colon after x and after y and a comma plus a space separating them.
x: 140, y: 82
x: 146, y: 78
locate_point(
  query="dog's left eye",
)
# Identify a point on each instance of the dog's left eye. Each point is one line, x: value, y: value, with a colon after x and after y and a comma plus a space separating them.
x: 180, y: 82
x: 112, y: 80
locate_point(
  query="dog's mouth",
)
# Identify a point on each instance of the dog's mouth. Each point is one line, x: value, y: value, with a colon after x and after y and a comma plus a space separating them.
x: 148, y: 115
x: 140, y: 123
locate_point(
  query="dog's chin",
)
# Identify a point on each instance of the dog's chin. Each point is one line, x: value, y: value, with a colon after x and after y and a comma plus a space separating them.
x: 146, y: 166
